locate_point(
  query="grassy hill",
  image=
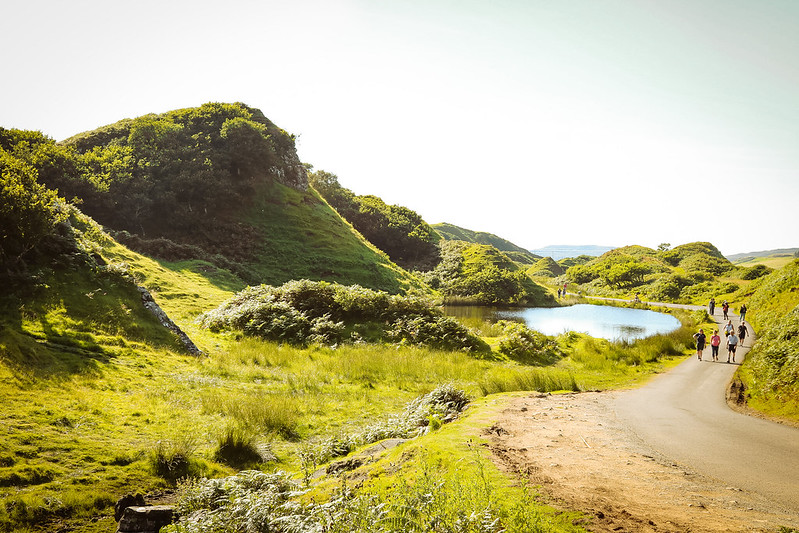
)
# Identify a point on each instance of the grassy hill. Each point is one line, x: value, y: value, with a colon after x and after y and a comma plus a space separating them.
x: 219, y: 183
x: 481, y: 274
x: 769, y: 258
x: 771, y: 370
x: 518, y: 254
x: 687, y: 273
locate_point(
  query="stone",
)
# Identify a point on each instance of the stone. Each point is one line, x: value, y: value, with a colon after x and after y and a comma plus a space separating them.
x: 146, y: 519
x: 128, y: 500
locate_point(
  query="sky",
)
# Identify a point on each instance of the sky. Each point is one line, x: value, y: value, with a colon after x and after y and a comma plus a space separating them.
x: 546, y: 122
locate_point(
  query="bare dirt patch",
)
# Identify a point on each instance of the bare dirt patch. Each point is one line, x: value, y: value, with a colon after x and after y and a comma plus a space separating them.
x: 584, y: 459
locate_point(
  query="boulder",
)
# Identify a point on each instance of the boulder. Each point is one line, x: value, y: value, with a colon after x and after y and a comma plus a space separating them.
x: 145, y: 519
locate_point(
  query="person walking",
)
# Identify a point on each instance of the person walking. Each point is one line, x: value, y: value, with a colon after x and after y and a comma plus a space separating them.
x: 724, y: 308
x: 742, y: 332
x: 732, y: 344
x: 729, y: 328
x: 743, y: 312
x: 712, y: 306
x: 700, y: 343
x: 715, y: 341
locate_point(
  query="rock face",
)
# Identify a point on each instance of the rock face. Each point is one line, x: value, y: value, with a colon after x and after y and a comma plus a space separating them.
x: 291, y: 172
x: 155, y: 309
x: 145, y: 519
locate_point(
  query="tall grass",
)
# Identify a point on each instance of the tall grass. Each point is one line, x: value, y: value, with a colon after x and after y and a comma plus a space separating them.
x: 510, y: 379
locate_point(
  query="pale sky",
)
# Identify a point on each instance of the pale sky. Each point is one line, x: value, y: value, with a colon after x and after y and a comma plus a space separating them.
x: 608, y: 122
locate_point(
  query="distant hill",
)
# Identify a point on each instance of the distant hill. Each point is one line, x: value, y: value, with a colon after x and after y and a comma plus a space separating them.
x: 452, y: 232
x: 752, y: 256
x: 562, y: 251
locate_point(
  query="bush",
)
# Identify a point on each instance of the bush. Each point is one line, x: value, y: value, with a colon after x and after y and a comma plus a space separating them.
x: 304, y: 312
x: 173, y: 460
x: 527, y: 346
x: 757, y: 271
x: 236, y: 447
x: 438, y: 332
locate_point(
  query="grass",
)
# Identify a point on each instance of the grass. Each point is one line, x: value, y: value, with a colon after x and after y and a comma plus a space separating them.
x: 99, y: 401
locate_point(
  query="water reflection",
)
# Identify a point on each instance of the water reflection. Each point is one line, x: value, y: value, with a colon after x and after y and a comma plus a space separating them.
x: 613, y: 323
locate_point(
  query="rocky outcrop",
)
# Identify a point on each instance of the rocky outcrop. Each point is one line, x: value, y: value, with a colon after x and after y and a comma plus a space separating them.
x: 163, y: 318
x: 291, y: 172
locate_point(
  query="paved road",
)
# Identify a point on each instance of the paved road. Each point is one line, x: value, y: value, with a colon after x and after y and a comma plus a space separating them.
x: 684, y: 415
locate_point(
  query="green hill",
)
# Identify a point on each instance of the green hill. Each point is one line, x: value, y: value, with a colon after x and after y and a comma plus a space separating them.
x: 398, y: 231
x: 771, y: 370
x: 547, y: 267
x: 690, y: 272
x: 219, y: 183
x: 481, y: 274
x: 452, y: 232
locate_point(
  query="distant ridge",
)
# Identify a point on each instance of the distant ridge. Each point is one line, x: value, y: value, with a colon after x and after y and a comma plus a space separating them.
x: 762, y: 253
x: 562, y: 251
x: 451, y: 232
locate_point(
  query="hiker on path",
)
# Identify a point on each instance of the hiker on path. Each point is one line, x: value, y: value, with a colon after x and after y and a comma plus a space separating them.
x: 700, y: 343
x: 742, y: 332
x: 732, y: 344
x: 715, y: 341
x: 712, y: 306
x: 729, y: 328
x: 743, y: 312
x: 724, y: 308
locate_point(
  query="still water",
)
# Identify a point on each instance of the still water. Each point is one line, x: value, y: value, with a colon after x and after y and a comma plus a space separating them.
x: 600, y: 321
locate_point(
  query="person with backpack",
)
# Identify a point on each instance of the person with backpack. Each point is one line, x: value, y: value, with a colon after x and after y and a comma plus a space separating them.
x: 743, y: 312
x: 724, y: 308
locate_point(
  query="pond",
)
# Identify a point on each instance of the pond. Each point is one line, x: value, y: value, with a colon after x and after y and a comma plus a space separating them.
x: 600, y: 321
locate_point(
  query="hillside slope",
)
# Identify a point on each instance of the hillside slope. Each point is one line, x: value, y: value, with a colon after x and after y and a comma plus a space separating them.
x: 219, y: 183
x: 452, y: 232
x: 771, y: 370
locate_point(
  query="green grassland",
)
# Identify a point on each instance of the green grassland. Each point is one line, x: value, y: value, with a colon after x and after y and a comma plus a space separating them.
x: 772, y: 261
x: 98, y: 397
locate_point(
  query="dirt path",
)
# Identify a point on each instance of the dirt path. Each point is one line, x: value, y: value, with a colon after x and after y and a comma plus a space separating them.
x: 586, y: 459
x: 656, y: 458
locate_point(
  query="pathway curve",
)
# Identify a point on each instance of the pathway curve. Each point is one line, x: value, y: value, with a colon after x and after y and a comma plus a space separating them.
x: 684, y: 415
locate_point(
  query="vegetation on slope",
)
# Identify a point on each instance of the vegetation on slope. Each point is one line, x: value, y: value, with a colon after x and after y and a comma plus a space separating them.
x: 398, y: 231
x: 771, y: 369
x: 546, y: 267
x: 685, y: 273
x: 481, y: 274
x: 452, y: 232
x: 304, y: 312
x: 219, y: 183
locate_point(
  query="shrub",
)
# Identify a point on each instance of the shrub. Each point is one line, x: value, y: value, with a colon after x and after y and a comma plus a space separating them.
x: 303, y: 312
x: 173, y: 460
x: 757, y: 271
x: 236, y: 447
x: 527, y: 346
x: 438, y: 332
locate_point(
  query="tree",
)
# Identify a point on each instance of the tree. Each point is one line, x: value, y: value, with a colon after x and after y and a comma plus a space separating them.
x: 28, y: 210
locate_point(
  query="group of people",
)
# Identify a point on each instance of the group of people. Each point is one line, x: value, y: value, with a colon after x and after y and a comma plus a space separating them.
x: 725, y: 308
x: 733, y: 338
